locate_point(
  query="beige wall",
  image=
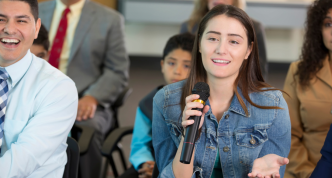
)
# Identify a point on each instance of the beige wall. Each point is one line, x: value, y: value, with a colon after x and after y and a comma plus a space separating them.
x: 108, y: 3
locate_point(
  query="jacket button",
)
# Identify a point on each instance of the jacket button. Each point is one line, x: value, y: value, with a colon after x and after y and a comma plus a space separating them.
x: 252, y: 141
x: 226, y: 117
x: 226, y: 149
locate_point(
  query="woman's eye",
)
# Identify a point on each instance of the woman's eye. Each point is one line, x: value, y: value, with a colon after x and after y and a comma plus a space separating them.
x: 328, y: 24
x: 171, y: 63
x: 234, y: 42
x: 212, y: 39
x: 187, y: 66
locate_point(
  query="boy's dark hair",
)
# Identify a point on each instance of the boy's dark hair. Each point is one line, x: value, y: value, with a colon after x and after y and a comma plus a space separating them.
x: 33, y: 7
x: 184, y: 41
x: 42, y: 38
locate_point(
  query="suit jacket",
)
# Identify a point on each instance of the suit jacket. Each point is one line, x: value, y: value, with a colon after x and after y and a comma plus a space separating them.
x: 260, y: 35
x: 324, y: 166
x: 310, y: 113
x: 98, y: 62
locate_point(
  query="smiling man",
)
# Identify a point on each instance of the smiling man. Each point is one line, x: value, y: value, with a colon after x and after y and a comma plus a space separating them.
x: 38, y: 103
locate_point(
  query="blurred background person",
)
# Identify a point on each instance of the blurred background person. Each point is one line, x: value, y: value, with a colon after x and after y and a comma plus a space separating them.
x: 87, y: 44
x: 309, y: 85
x: 201, y: 7
x: 41, y: 45
x: 175, y: 66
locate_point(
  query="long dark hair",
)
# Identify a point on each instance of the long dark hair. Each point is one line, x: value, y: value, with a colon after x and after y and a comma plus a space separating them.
x: 250, y: 77
x: 313, y: 49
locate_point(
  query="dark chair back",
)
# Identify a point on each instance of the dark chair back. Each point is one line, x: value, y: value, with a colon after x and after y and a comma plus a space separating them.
x: 73, y: 155
x: 117, y: 104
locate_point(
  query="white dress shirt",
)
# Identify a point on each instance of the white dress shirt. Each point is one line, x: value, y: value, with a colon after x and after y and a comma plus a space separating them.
x: 40, y: 112
x: 73, y: 18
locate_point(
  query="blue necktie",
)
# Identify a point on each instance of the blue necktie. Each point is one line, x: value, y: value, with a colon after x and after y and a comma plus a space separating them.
x: 3, y: 101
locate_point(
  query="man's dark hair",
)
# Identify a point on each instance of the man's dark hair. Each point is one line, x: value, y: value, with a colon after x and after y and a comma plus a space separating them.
x: 184, y: 41
x: 33, y: 7
x: 42, y: 38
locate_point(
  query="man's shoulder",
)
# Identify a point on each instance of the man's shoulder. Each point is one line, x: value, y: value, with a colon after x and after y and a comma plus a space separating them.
x: 44, y: 4
x: 103, y: 10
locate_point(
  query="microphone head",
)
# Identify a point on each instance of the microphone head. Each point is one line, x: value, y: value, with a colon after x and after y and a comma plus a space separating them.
x: 202, y: 89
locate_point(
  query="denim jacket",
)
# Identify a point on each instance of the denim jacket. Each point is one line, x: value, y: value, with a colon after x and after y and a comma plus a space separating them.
x: 240, y: 139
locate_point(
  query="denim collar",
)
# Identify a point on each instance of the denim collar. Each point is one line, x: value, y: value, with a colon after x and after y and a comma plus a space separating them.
x: 235, y: 105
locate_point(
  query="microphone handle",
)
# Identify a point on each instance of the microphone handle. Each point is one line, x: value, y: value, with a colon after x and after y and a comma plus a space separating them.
x: 190, y: 138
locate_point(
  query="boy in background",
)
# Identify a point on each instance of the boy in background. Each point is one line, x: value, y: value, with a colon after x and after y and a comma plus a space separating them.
x: 41, y: 45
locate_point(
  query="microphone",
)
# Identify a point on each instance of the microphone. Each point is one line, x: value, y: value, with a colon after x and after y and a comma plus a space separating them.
x: 203, y: 90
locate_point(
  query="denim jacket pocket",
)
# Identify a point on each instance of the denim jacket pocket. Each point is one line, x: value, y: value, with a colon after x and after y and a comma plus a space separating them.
x: 251, y: 138
x: 250, y: 142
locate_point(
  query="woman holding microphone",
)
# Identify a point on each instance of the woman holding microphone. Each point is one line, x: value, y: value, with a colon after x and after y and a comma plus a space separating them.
x: 245, y: 124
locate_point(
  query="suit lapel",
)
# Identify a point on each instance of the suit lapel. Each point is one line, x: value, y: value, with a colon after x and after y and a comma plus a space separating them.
x: 47, y: 15
x: 86, y: 19
x: 324, y: 73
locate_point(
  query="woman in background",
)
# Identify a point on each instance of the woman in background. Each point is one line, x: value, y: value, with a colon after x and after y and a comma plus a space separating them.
x: 309, y: 85
x: 203, y: 6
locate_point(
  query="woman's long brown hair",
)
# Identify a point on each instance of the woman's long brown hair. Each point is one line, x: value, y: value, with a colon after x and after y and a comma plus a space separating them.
x: 250, y: 77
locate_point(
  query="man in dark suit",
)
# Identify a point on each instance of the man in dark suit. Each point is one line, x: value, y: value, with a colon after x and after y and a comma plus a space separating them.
x: 324, y: 165
x: 87, y: 44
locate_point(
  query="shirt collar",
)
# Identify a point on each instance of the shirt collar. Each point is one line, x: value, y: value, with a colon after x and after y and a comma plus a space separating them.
x: 324, y: 73
x: 235, y: 105
x: 75, y: 9
x: 17, y: 70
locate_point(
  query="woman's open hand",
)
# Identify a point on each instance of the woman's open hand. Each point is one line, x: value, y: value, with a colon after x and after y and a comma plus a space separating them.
x: 268, y: 166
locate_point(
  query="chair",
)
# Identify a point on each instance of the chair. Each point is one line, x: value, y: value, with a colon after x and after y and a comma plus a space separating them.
x: 73, y: 155
x: 115, y: 108
x: 111, y: 144
x: 84, y: 132
x: 116, y: 105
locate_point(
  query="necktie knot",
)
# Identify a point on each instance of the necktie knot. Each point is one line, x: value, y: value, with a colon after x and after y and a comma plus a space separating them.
x: 66, y: 11
x: 4, y: 74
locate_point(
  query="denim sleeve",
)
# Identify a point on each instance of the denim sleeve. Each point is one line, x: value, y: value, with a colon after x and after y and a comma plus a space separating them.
x: 163, y: 144
x: 279, y: 134
x: 164, y: 147
x: 141, y: 142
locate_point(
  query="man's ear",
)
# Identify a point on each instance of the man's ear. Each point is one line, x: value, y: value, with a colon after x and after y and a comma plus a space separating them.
x: 249, y: 50
x: 38, y: 24
x: 48, y: 55
x: 162, y: 65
